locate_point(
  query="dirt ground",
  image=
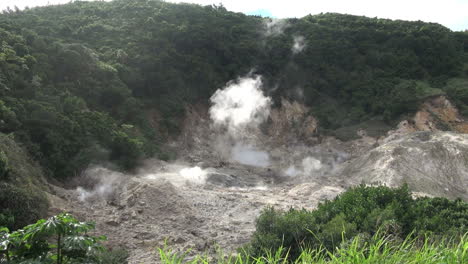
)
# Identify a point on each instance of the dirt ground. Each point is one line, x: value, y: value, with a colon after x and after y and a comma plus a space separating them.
x: 206, y: 201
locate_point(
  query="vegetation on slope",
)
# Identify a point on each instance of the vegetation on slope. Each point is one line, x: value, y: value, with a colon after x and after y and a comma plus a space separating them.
x: 86, y: 89
x: 361, y: 211
x: 111, y: 81
x: 378, y: 249
x: 22, y: 185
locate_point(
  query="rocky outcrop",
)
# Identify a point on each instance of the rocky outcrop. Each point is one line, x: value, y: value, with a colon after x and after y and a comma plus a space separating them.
x: 436, y: 114
x: 443, y: 114
x: 292, y: 122
x: 434, y: 163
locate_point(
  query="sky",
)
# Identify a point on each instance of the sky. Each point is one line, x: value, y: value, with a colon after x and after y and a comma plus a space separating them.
x: 450, y: 13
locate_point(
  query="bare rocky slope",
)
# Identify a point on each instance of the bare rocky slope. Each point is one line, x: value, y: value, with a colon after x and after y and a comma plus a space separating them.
x: 208, y: 200
x: 431, y: 163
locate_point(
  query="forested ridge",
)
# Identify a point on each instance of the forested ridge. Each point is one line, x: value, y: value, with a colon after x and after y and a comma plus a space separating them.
x: 80, y: 83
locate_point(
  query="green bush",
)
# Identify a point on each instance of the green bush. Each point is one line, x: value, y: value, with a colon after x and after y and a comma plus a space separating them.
x: 20, y: 206
x: 377, y: 249
x: 114, y: 256
x: 59, y: 239
x: 440, y: 216
x: 361, y: 210
x: 275, y: 229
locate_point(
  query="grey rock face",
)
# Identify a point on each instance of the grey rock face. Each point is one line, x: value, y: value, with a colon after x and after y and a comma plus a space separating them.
x: 433, y: 163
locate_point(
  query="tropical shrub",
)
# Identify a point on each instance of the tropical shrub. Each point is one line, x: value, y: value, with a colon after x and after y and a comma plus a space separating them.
x: 378, y: 249
x: 59, y: 239
x: 361, y: 210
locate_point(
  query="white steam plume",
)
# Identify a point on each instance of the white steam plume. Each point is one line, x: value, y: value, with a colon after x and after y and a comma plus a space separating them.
x: 292, y: 171
x: 275, y: 26
x: 179, y: 175
x: 241, y: 107
x: 314, y: 162
x: 308, y: 167
x: 194, y: 175
x: 311, y: 165
x: 299, y: 44
x: 249, y: 155
x: 106, y: 182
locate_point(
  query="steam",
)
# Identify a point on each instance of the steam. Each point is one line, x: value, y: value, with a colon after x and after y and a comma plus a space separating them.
x: 309, y: 166
x: 299, y: 44
x: 305, y: 162
x: 292, y: 171
x: 178, y: 175
x: 241, y: 107
x: 104, y: 181
x: 275, y: 26
x: 248, y: 155
x: 194, y: 175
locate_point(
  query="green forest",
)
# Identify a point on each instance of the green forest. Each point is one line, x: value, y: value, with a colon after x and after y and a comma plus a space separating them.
x: 109, y: 82
x: 85, y: 89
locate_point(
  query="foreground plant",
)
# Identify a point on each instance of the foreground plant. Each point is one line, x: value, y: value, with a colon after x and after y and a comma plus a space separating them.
x: 381, y: 249
x: 59, y: 239
x: 361, y: 210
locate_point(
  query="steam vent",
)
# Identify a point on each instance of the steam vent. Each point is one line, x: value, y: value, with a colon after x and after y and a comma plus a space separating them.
x: 150, y: 131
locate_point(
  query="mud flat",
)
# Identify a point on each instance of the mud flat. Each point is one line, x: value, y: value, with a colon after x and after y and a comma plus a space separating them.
x: 209, y: 204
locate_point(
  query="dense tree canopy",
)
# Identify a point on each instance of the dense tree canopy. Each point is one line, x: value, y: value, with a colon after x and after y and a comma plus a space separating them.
x: 78, y: 82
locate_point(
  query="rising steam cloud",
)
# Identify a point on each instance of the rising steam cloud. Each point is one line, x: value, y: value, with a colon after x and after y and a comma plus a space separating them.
x: 105, y: 183
x: 309, y: 166
x: 178, y: 175
x: 241, y: 106
x: 299, y: 44
x: 194, y: 175
x: 249, y: 155
x: 275, y: 26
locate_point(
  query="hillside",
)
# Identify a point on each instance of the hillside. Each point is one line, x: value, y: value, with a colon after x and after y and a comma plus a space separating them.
x: 118, y: 75
x: 22, y: 186
x: 190, y: 117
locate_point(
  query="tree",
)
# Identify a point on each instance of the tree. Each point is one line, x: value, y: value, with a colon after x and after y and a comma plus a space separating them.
x: 3, y: 165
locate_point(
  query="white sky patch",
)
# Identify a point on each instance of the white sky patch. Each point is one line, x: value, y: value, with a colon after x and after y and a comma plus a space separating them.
x: 450, y: 13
